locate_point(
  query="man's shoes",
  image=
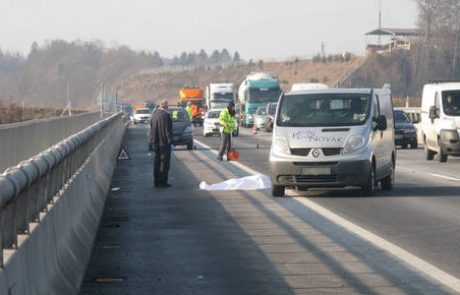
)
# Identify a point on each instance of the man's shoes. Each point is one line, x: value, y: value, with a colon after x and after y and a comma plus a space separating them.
x: 220, y: 158
x: 166, y: 185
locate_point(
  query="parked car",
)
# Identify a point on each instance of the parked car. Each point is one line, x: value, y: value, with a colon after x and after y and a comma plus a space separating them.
x: 333, y: 138
x: 182, y: 127
x: 405, y: 132
x: 211, y: 125
x: 441, y: 120
x: 259, y: 117
x: 142, y: 115
x: 270, y: 117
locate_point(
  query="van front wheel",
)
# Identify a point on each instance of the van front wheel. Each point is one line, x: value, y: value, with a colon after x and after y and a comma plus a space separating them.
x: 278, y: 190
x: 388, y: 182
x: 369, y: 188
x: 442, y: 157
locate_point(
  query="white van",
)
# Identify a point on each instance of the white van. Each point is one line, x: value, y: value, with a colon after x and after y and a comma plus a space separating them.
x: 441, y: 119
x: 333, y: 138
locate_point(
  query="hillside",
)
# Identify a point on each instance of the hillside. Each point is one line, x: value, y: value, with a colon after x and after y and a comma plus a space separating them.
x: 165, y: 85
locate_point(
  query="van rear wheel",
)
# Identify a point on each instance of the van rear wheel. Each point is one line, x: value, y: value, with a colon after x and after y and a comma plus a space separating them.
x: 278, y: 190
x: 429, y: 154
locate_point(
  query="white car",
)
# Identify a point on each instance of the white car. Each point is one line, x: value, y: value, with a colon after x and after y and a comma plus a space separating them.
x: 211, y: 123
x: 142, y: 115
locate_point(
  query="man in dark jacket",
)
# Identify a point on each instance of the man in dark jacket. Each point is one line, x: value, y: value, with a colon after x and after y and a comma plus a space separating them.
x: 160, y: 138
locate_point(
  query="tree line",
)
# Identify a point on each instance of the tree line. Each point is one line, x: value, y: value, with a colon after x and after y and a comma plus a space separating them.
x: 203, y: 59
x: 43, y: 77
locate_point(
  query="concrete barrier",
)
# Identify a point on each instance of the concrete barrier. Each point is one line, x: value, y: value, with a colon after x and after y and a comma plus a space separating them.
x: 52, y: 258
x: 21, y: 141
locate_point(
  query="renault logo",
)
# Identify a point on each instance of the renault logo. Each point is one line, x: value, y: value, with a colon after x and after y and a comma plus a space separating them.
x: 316, y: 153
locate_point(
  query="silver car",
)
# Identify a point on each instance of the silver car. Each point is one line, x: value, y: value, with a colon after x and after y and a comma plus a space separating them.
x: 259, y: 117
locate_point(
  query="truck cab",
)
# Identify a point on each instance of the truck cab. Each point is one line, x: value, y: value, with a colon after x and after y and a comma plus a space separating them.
x: 257, y: 90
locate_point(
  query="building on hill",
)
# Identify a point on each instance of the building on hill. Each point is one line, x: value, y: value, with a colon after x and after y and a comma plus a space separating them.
x: 385, y: 40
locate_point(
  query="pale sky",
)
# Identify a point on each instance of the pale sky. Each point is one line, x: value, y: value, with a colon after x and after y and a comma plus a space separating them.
x: 256, y: 28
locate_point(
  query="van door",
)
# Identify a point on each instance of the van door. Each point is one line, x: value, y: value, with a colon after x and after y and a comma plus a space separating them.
x: 432, y: 133
x: 388, y: 140
x: 377, y: 137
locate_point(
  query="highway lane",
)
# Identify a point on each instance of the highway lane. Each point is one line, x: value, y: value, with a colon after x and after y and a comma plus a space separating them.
x: 421, y: 215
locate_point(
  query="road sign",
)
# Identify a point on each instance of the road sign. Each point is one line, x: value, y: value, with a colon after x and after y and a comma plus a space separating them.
x: 123, y: 155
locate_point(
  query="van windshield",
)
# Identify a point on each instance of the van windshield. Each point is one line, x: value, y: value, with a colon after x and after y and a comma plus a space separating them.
x: 451, y: 103
x: 324, y: 110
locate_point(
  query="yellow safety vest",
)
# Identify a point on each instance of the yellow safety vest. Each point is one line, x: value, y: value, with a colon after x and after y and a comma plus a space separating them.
x: 189, y: 111
x: 227, y: 121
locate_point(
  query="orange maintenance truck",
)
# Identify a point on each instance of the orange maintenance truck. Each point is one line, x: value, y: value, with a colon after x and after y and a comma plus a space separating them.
x: 193, y: 95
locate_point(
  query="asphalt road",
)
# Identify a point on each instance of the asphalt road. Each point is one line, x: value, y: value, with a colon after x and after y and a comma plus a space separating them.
x: 421, y: 215
x: 185, y: 240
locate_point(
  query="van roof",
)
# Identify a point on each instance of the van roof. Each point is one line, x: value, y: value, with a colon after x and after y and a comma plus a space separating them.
x: 335, y: 91
x: 449, y: 85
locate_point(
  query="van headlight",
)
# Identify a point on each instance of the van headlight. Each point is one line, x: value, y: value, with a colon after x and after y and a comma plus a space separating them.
x: 354, y: 143
x: 188, y: 129
x: 280, y: 146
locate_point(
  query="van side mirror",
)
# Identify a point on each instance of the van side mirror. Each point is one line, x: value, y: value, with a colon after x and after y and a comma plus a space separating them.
x: 433, y: 114
x: 381, y: 123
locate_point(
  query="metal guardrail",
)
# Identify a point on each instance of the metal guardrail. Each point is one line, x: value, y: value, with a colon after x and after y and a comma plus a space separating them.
x: 27, y: 189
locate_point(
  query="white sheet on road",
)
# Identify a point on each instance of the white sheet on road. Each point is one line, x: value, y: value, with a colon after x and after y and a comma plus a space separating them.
x: 253, y: 182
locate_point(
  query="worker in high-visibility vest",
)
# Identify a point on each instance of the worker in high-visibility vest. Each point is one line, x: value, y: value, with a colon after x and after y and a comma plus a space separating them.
x: 228, y: 126
x: 189, y: 111
x: 174, y: 115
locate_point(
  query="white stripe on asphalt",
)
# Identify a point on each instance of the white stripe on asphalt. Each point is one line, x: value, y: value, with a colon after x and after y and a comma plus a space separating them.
x: 410, y: 259
x: 445, y: 177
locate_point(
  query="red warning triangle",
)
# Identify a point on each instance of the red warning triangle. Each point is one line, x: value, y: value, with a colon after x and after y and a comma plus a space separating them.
x: 123, y: 155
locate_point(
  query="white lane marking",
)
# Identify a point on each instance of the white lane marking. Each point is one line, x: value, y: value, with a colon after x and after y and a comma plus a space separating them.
x: 410, y: 259
x: 445, y: 177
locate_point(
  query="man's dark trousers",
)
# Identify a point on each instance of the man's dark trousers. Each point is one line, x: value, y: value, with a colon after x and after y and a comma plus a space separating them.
x: 226, y: 144
x: 161, y: 165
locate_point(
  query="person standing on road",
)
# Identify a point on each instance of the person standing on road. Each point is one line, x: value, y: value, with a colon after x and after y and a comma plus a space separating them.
x: 160, y: 138
x: 227, y: 123
x: 189, y: 111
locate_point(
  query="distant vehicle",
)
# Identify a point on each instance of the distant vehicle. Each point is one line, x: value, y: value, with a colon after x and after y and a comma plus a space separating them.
x: 333, y: 138
x: 211, y: 125
x: 270, y: 117
x: 142, y: 115
x: 258, y: 89
x: 405, y: 132
x: 259, y: 117
x: 308, y: 86
x: 218, y: 95
x: 193, y: 95
x: 441, y: 119
x: 182, y: 127
x: 150, y: 104
x: 127, y: 109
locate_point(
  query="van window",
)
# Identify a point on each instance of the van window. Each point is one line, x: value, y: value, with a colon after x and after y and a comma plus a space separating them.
x: 436, y: 100
x: 451, y: 103
x: 376, y: 112
x: 323, y: 110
